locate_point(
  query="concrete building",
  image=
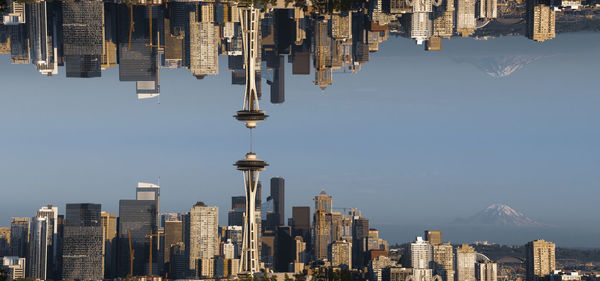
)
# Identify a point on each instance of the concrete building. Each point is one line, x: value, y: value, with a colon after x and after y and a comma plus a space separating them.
x: 465, y: 263
x: 14, y: 266
x: 109, y: 230
x: 486, y: 271
x: 377, y: 265
x: 559, y: 275
x: 421, y: 254
x: 443, y: 261
x: 395, y: 273
x: 487, y: 9
x: 202, y: 238
x: 540, y: 259
x: 19, y: 236
x: 541, y: 21
x: 5, y: 241
x: 465, y: 17
x: 341, y: 254
x: 434, y: 237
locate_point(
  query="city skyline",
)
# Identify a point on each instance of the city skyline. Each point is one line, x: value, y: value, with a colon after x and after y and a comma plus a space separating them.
x: 457, y: 110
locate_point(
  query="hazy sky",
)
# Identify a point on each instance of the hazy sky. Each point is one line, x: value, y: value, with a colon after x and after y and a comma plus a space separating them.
x: 415, y: 137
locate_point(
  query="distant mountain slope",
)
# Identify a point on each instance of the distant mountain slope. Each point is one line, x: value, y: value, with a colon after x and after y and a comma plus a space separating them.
x: 499, y: 214
x: 498, y: 67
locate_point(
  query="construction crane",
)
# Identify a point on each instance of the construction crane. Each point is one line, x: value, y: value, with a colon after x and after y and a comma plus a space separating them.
x: 151, y: 237
x: 131, y: 257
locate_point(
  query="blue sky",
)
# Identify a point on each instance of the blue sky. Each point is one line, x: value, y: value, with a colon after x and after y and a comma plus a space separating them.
x: 414, y: 138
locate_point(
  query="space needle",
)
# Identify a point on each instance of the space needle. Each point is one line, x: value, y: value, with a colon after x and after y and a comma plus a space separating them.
x: 250, y: 113
x: 250, y: 167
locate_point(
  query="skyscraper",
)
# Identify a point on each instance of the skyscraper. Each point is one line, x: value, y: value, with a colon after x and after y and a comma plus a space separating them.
x: 341, y: 254
x: 83, y: 39
x: 322, y: 226
x: 149, y: 191
x: 137, y: 218
x: 109, y: 230
x: 360, y: 234
x: 38, y: 248
x: 323, y: 202
x: 421, y: 254
x: 201, y: 237
x: 434, y: 237
x: 51, y: 214
x: 465, y: 263
x: 5, y: 241
x: 204, y: 41
x: 443, y: 261
x: 486, y: 271
x: 540, y: 259
x: 278, y: 195
x: 541, y: 21
x: 19, y: 236
x: 465, y: 17
x: 301, y: 222
x: 83, y: 243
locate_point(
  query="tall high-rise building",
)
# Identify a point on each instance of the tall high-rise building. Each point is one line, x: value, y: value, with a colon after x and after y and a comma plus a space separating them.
x: 137, y: 219
x: 341, y: 254
x: 487, y: 9
x: 51, y: 214
x: 37, y: 258
x: 5, y: 241
x: 235, y: 235
x: 465, y: 17
x: 204, y: 39
x: 465, y: 263
x: 541, y: 21
x: 434, y: 237
x: 443, y: 261
x: 540, y: 259
x: 323, y: 202
x: 83, y: 37
x: 360, y: 234
x: 83, y: 243
x: 301, y: 223
x: 486, y: 271
x: 421, y: 254
x: 149, y: 191
x: 201, y: 237
x: 278, y: 196
x: 173, y: 236
x: 109, y: 230
x: 19, y: 236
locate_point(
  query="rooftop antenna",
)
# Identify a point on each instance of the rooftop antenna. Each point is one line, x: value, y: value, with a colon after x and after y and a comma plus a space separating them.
x: 158, y: 180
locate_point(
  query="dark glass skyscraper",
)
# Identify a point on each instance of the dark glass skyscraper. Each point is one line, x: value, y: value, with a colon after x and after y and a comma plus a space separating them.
x: 278, y: 196
x: 138, y: 219
x: 83, y: 243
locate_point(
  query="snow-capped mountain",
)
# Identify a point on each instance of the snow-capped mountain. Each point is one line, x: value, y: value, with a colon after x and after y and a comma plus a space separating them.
x: 503, y: 66
x: 499, y: 214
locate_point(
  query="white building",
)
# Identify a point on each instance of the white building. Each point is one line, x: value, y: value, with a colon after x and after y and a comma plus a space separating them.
x: 421, y: 254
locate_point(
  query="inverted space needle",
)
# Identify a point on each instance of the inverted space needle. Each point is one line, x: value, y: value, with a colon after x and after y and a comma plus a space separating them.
x: 250, y: 113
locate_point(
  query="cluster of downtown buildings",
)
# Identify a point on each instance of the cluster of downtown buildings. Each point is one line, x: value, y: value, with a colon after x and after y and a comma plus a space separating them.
x: 141, y: 38
x: 89, y: 244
